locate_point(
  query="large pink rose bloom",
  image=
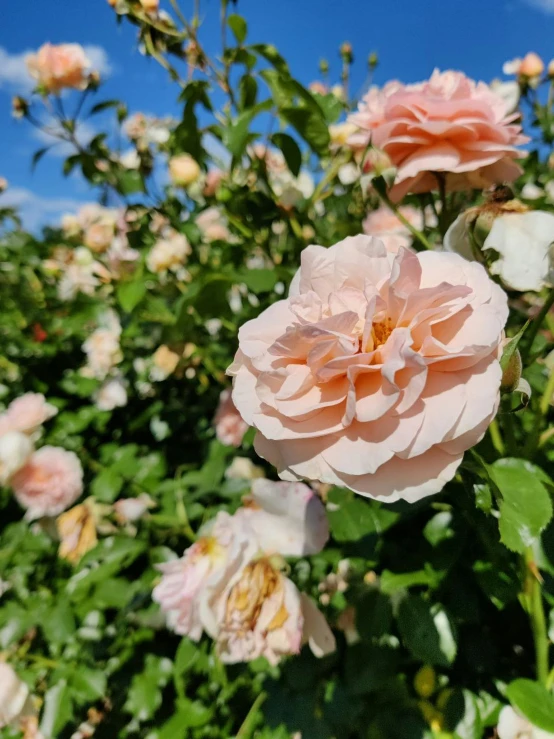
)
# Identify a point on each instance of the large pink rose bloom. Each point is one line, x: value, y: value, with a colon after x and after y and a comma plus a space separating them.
x: 377, y: 372
x: 229, y: 425
x: 58, y: 67
x: 49, y: 482
x: 449, y: 124
x: 27, y: 414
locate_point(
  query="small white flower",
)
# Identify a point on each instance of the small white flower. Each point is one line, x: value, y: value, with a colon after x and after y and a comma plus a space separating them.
x: 513, y: 726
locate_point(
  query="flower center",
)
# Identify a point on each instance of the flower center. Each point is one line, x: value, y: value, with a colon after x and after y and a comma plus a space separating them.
x: 259, y: 580
x: 381, y: 332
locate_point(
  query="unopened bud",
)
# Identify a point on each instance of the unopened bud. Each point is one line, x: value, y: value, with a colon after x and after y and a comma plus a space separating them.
x: 482, y: 227
x: 112, y: 3
x: 3, y: 184
x: 20, y: 107
x: 121, y: 112
x: 94, y: 79
x: 346, y: 52
x: 550, y: 69
x: 372, y: 60
x: 512, y: 374
x: 324, y: 66
x: 425, y: 681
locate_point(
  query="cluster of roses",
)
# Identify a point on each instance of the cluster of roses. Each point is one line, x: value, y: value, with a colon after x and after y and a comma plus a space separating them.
x: 231, y: 582
x: 44, y: 481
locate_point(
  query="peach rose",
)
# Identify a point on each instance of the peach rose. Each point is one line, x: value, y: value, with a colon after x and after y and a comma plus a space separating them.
x: 183, y: 170
x: 449, y: 124
x: 27, y: 413
x: 531, y: 66
x: 212, y: 181
x: 151, y: 6
x: 49, y: 482
x: 214, y: 556
x: 58, y: 67
x: 169, y: 254
x: 384, y: 224
x: 377, y: 372
x: 287, y: 518
x: 15, y: 450
x: 260, y: 615
x: 213, y: 225
x: 229, y: 426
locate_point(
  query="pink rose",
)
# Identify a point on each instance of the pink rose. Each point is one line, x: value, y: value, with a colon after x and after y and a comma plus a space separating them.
x: 384, y: 224
x: 58, y: 67
x: 213, y: 558
x: 259, y: 615
x: 49, y: 482
x: 229, y: 426
x: 377, y: 372
x: 287, y: 518
x: 212, y: 182
x: 449, y: 124
x: 27, y: 414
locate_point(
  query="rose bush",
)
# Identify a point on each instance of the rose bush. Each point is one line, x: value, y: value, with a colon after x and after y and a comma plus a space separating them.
x: 389, y: 315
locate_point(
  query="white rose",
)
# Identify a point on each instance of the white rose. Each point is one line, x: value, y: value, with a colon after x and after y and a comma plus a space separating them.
x: 15, y: 701
x: 112, y: 394
x: 513, y: 726
x: 523, y: 242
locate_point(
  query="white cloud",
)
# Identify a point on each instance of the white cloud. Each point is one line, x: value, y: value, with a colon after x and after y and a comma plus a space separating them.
x: 84, y: 132
x: 36, y: 210
x: 14, y: 75
x: 547, y: 6
x: 99, y: 60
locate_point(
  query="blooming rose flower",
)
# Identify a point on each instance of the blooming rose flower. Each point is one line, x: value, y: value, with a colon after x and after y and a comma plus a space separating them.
x: 377, y: 372
x: 340, y: 133
x: 146, y: 130
x: 15, y: 450
x: 98, y: 236
x: 58, y: 67
x: 449, y: 124
x: 15, y: 700
x: 513, y: 726
x: 168, y: 254
x: 259, y: 615
x: 525, y: 269
x: 112, y: 394
x: 183, y: 170
x: 229, y: 426
x: 287, y: 518
x: 27, y: 413
x: 102, y: 347
x: 529, y: 68
x: 213, y: 225
x: 216, y: 554
x: 164, y: 363
x: 384, y: 224
x: 49, y: 482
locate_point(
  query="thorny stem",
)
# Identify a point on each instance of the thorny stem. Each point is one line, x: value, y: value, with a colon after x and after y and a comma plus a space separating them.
x: 535, y: 609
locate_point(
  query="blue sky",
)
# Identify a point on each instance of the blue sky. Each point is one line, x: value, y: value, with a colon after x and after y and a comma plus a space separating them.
x: 411, y: 37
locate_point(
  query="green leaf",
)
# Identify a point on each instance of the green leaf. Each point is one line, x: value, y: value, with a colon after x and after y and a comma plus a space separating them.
x: 312, y: 127
x: 99, y: 107
x: 88, y: 685
x: 291, y: 151
x: 129, y: 181
x: 58, y: 622
x: 393, y: 581
x: 526, y: 507
x: 373, y: 615
x: 258, y: 280
x: 238, y: 26
x: 57, y: 710
x: 37, y: 156
x: 510, y: 348
x: 438, y: 528
x: 107, y: 485
x: 248, y: 89
x: 534, y: 701
x: 462, y: 716
x: 145, y: 694
x: 351, y: 517
x: 428, y: 637
x: 270, y: 54
x: 129, y: 294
